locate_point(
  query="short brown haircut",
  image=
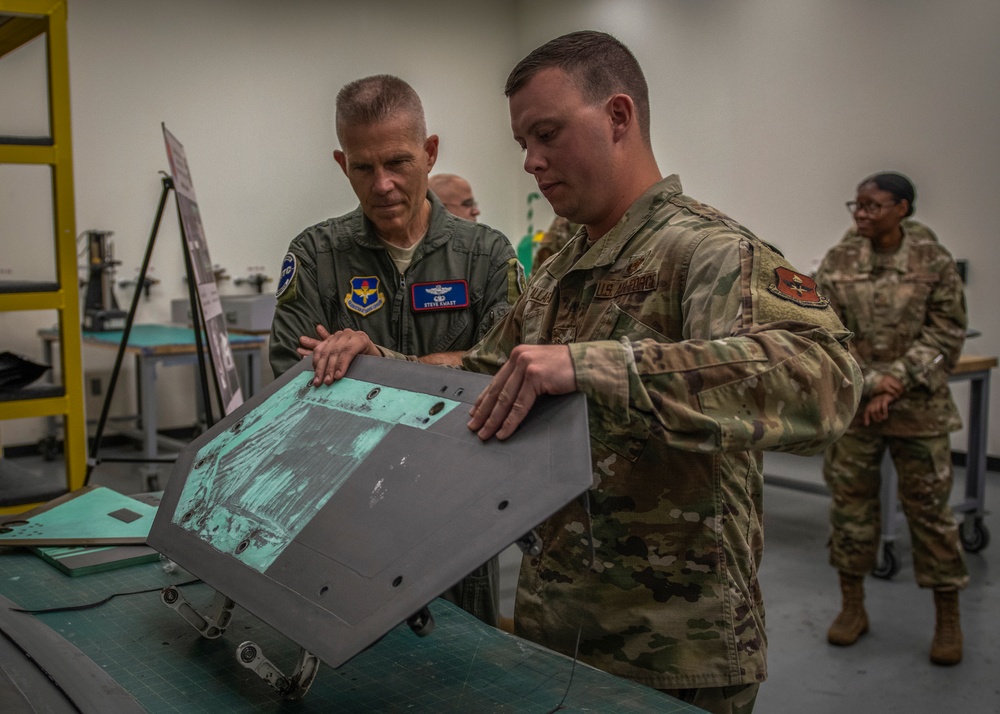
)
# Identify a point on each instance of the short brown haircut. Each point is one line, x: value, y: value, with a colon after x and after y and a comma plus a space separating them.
x: 600, y: 65
x: 375, y: 99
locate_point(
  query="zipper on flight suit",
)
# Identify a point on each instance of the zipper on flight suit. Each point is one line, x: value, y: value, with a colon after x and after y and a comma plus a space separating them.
x: 402, y: 312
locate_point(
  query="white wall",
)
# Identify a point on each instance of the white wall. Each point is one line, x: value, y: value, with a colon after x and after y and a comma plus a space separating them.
x: 772, y: 110
x: 248, y: 87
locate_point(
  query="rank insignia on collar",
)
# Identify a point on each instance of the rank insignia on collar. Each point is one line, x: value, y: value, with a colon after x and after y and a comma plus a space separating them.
x: 444, y: 295
x: 635, y: 264
x: 364, y: 297
x: 799, y: 288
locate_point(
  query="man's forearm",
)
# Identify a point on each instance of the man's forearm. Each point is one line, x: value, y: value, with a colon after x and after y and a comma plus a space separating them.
x: 448, y: 359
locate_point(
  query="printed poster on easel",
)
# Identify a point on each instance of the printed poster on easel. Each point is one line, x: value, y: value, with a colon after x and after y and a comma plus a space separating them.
x: 209, y: 305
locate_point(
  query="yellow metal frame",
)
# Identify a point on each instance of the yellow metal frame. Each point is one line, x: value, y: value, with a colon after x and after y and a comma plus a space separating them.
x: 26, y: 20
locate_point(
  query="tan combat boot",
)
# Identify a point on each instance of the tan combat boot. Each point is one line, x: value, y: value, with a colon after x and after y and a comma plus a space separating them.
x: 852, y: 622
x: 947, y: 646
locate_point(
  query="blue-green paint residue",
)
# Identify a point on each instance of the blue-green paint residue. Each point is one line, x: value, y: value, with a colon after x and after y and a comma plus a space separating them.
x: 255, y: 487
x: 87, y: 516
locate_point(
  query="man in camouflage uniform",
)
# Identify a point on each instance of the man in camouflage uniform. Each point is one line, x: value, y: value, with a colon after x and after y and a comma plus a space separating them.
x: 697, y: 347
x: 898, y: 289
x: 400, y: 267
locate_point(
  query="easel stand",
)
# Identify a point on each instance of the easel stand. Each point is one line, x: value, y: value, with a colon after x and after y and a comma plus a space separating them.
x: 93, y: 460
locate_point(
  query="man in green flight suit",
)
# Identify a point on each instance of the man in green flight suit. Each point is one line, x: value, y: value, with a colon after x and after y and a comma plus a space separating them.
x: 400, y: 267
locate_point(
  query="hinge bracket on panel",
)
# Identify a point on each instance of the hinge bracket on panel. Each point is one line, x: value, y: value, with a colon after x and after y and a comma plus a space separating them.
x: 530, y: 543
x: 209, y: 626
x: 294, y: 686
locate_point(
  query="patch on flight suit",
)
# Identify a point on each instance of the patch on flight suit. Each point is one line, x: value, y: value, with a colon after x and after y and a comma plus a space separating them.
x: 364, y: 297
x: 444, y: 295
x: 799, y: 288
x: 516, y: 282
x: 287, y: 284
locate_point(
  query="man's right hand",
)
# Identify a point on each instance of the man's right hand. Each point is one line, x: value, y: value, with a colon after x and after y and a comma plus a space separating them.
x: 888, y: 384
x: 333, y: 354
x: 877, y: 410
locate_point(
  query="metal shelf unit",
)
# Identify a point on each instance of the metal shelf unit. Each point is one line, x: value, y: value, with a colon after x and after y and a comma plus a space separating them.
x: 20, y: 22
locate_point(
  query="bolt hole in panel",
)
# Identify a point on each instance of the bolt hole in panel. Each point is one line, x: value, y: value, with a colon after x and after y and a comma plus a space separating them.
x: 336, y: 512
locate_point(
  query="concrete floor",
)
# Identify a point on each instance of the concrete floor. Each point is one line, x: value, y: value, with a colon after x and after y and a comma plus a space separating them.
x: 887, y: 671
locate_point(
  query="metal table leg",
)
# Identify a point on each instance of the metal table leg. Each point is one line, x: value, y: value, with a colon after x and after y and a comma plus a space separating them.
x: 973, y: 532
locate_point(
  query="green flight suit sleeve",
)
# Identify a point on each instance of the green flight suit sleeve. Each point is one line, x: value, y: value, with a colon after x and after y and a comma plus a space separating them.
x: 503, y: 288
x: 297, y: 312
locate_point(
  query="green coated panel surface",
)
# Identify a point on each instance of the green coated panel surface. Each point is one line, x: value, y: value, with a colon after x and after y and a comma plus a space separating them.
x: 83, y: 560
x: 463, y: 666
x: 92, y: 515
x: 263, y: 480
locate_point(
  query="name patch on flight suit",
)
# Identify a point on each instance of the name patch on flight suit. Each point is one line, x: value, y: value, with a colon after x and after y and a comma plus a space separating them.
x: 286, y: 291
x: 799, y: 288
x: 364, y: 297
x: 637, y: 284
x: 445, y: 295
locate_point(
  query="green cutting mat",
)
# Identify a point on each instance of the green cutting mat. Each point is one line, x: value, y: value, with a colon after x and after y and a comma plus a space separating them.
x: 463, y: 666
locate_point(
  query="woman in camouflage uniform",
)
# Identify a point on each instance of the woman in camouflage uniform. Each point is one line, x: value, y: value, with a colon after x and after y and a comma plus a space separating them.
x: 899, y: 291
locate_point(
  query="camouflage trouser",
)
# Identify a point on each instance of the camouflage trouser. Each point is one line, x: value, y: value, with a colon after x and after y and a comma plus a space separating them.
x: 851, y: 468
x: 478, y: 593
x: 738, y: 699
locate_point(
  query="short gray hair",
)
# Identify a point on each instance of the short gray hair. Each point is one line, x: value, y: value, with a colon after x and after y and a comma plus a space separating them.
x: 375, y: 99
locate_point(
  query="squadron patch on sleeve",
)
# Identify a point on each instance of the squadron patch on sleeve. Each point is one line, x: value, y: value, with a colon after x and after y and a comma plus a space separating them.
x: 286, y: 290
x: 799, y: 288
x: 364, y: 297
x: 443, y: 295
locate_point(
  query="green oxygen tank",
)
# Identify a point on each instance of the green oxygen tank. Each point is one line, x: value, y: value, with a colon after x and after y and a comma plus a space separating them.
x: 526, y: 246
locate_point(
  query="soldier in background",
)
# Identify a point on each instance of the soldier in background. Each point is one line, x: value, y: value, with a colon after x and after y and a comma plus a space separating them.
x: 382, y: 268
x: 456, y: 195
x: 555, y: 237
x: 897, y: 288
x: 697, y: 347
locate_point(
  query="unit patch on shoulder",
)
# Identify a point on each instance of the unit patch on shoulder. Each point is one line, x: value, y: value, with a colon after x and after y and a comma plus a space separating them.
x: 364, y: 297
x: 286, y: 290
x: 799, y: 288
x: 444, y: 295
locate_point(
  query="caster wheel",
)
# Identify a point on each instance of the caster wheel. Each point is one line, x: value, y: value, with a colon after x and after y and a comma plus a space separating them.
x: 422, y: 623
x: 888, y: 564
x: 976, y: 538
